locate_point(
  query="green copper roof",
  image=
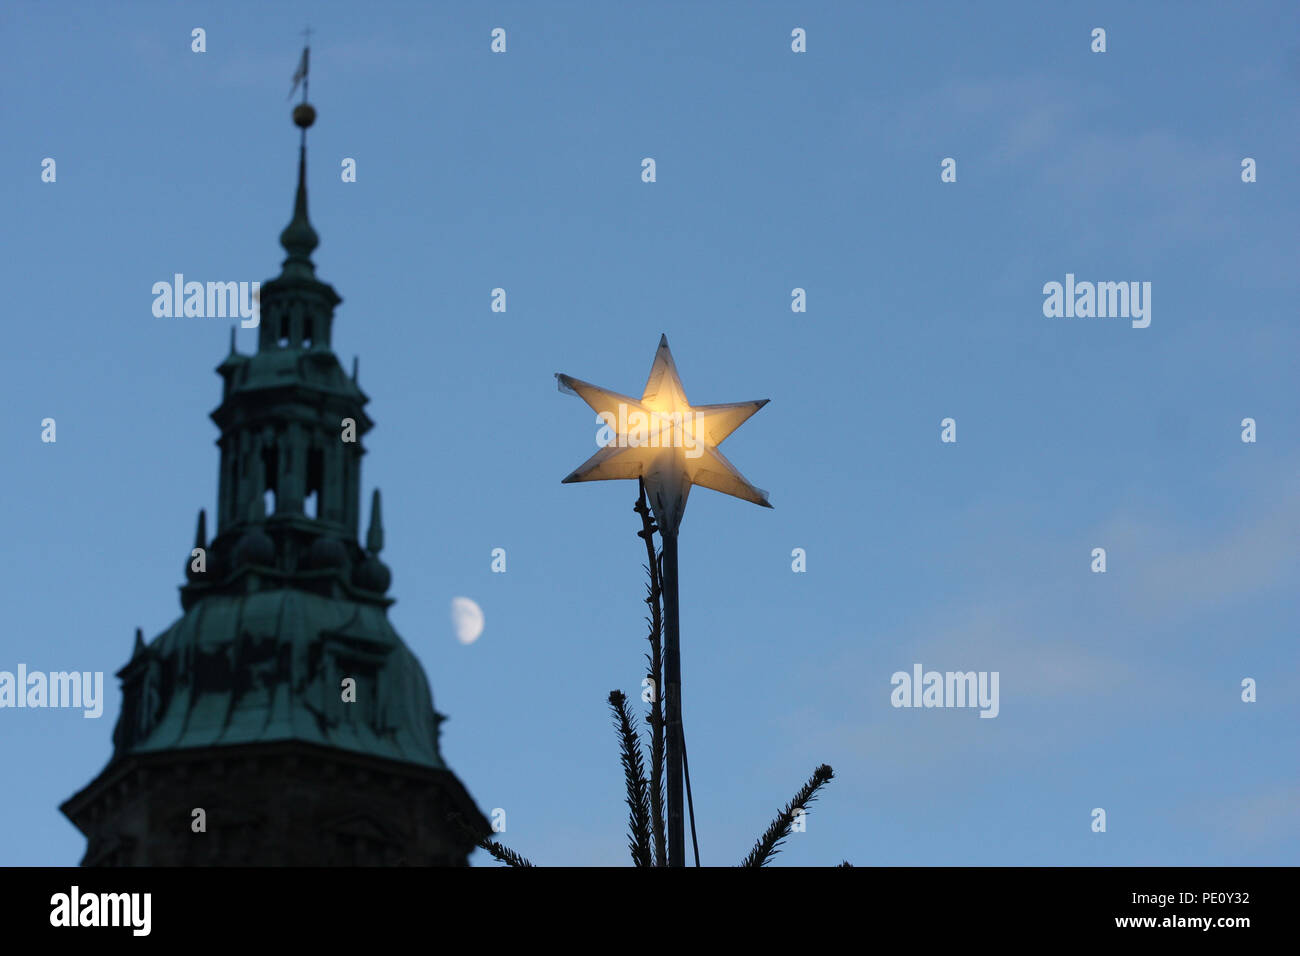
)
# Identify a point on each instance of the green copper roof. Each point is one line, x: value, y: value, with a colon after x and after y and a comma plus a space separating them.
x: 270, y: 666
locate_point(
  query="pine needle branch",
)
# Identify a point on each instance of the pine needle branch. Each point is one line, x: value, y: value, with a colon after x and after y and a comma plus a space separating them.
x: 768, y: 844
x: 502, y: 853
x: 638, y: 791
x: 654, y: 661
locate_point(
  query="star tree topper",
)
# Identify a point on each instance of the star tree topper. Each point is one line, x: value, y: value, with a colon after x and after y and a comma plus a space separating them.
x: 664, y: 440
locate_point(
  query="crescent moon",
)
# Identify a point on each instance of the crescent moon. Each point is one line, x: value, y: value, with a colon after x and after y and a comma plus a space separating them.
x: 466, y: 619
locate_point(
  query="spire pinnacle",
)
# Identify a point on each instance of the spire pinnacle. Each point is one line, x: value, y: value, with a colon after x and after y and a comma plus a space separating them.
x: 299, y: 238
x: 375, y: 536
x: 201, y: 536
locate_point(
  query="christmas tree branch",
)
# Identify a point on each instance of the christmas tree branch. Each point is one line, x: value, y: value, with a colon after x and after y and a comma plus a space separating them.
x: 768, y: 843
x: 638, y: 795
x: 502, y: 853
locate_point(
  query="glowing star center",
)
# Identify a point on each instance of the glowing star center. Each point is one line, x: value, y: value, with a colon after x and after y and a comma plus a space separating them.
x: 634, y: 427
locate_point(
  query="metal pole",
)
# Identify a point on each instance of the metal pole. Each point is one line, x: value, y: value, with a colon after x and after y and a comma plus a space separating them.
x: 673, y: 723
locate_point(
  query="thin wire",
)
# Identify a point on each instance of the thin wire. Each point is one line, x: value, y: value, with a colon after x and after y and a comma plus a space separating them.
x: 681, y: 731
x: 686, y: 765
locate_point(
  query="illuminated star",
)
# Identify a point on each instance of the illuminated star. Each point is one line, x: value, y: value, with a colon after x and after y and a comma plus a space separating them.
x: 664, y: 440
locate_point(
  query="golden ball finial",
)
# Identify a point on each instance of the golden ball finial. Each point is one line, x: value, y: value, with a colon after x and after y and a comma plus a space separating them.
x: 304, y: 114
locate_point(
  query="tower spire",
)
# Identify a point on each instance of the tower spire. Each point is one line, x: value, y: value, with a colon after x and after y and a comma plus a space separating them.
x: 279, y: 420
x: 299, y: 238
x: 275, y: 606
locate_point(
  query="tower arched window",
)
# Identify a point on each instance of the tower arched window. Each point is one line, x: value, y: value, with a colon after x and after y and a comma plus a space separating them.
x: 271, y: 466
x: 312, y: 506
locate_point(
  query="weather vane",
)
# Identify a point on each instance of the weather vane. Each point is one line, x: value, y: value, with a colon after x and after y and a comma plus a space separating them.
x: 300, y: 74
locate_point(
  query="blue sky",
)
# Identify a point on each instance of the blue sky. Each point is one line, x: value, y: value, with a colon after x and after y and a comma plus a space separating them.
x: 775, y: 170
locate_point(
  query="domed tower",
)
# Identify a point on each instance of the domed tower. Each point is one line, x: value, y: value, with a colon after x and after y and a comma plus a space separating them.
x: 281, y: 720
